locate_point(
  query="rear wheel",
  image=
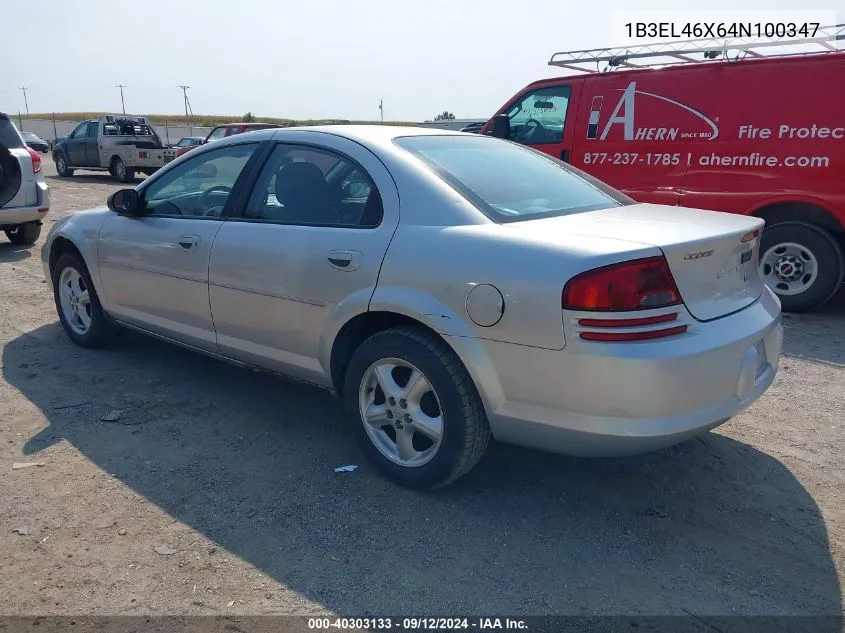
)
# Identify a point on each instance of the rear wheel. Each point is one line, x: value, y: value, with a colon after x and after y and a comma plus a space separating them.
x: 77, y: 303
x: 121, y: 171
x: 25, y: 234
x: 802, y: 263
x: 61, y: 166
x: 417, y: 414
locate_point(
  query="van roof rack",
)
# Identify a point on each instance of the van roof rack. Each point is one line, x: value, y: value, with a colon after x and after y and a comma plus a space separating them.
x: 825, y: 39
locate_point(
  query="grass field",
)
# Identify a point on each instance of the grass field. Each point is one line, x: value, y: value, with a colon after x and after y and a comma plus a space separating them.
x: 205, y: 120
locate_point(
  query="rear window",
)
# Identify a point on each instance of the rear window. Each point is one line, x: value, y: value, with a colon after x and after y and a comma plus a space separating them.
x: 9, y: 136
x: 510, y: 182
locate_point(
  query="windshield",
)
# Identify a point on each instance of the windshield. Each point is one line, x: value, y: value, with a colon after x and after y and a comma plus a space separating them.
x: 29, y: 136
x: 509, y: 182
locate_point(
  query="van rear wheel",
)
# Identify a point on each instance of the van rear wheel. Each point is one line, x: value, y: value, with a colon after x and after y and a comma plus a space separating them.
x: 802, y: 264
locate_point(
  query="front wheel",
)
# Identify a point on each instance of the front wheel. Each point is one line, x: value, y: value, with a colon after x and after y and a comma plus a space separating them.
x: 24, y: 234
x: 61, y: 166
x: 802, y: 264
x: 77, y: 303
x: 417, y: 414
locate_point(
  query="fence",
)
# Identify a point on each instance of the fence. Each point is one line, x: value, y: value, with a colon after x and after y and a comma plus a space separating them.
x: 50, y: 130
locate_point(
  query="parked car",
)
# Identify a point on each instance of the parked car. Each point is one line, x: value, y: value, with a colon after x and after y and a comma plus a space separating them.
x: 513, y: 297
x: 229, y: 129
x: 119, y: 144
x: 24, y: 195
x: 188, y: 141
x: 674, y: 135
x: 475, y: 128
x: 35, y: 142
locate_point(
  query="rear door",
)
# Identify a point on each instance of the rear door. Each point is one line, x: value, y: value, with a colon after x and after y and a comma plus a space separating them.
x: 543, y: 117
x: 92, y: 146
x: 308, y: 241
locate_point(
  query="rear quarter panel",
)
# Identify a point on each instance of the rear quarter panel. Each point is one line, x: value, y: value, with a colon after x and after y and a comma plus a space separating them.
x: 429, y: 271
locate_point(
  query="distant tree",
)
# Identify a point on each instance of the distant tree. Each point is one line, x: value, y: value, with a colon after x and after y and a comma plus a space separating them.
x: 445, y: 116
x: 248, y: 118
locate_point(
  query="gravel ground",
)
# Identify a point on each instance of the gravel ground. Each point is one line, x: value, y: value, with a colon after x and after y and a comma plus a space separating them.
x: 212, y: 491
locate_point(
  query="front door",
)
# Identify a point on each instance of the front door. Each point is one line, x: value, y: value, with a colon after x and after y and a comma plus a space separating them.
x: 543, y: 118
x: 75, y: 145
x: 308, y: 242
x: 92, y: 147
x: 155, y: 267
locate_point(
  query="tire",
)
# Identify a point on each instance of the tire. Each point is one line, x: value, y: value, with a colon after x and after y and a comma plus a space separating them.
x: 796, y: 248
x: 25, y: 234
x: 121, y: 171
x: 464, y: 430
x: 61, y: 166
x: 99, y: 331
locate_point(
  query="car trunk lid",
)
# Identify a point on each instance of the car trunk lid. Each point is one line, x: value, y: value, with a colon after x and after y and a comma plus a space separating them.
x: 713, y: 256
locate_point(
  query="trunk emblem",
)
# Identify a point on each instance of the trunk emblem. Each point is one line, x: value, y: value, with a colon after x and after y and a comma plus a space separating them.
x: 698, y: 255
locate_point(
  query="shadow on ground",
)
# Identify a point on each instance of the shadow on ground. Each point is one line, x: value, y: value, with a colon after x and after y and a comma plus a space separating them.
x: 92, y: 178
x: 710, y: 527
x: 14, y: 252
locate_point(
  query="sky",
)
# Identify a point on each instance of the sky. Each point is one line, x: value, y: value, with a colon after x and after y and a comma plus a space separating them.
x: 309, y: 58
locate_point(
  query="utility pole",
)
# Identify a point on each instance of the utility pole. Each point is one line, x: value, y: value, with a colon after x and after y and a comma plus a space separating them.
x: 26, y: 103
x: 121, y: 86
x: 381, y: 109
x: 185, y: 96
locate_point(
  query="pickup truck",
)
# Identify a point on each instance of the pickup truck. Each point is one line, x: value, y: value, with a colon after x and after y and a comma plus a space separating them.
x: 118, y: 144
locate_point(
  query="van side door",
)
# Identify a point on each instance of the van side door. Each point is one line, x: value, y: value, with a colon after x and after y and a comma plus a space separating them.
x: 543, y: 117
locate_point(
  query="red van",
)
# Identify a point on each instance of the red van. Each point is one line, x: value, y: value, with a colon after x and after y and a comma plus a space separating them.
x: 761, y: 136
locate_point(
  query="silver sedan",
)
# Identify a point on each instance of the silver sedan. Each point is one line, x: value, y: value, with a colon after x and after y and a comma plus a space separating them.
x: 450, y: 288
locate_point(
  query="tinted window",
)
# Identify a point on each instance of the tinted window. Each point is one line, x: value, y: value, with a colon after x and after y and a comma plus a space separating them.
x: 539, y: 116
x: 201, y: 186
x: 93, y: 128
x: 306, y: 185
x: 9, y: 134
x: 509, y: 182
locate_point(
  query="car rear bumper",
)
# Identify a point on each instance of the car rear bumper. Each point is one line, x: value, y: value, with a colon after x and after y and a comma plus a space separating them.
x: 611, y: 399
x: 31, y: 212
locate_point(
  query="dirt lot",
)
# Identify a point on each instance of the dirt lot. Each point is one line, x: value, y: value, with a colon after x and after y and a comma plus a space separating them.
x: 213, y: 492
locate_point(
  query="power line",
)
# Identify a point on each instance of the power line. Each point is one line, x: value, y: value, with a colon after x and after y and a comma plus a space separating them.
x: 121, y: 86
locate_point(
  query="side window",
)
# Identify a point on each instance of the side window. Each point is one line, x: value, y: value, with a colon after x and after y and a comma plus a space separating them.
x: 232, y: 130
x: 93, y: 129
x: 310, y: 186
x: 539, y: 116
x: 81, y: 131
x: 199, y: 187
x: 216, y: 133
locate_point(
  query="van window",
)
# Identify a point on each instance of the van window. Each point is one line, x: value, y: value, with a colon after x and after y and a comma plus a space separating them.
x: 539, y: 116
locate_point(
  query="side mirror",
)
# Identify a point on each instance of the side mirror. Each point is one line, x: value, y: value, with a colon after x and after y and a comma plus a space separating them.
x: 125, y: 202
x: 500, y: 126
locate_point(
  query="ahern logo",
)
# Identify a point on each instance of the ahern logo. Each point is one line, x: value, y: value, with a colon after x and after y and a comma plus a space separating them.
x: 633, y: 133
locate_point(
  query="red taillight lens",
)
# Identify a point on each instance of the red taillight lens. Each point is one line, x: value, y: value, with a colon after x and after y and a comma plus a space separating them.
x: 641, y: 284
x: 36, y: 160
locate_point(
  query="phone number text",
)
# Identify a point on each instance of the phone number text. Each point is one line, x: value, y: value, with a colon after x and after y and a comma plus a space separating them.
x: 631, y: 158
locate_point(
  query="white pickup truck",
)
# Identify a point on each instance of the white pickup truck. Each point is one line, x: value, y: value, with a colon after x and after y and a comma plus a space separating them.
x: 119, y: 144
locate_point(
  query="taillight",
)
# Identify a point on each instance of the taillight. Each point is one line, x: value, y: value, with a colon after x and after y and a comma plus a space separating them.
x: 640, y: 284
x: 36, y: 160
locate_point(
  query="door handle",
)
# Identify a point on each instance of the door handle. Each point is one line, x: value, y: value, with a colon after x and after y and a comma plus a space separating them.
x: 189, y: 242
x: 564, y: 155
x: 345, y: 260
